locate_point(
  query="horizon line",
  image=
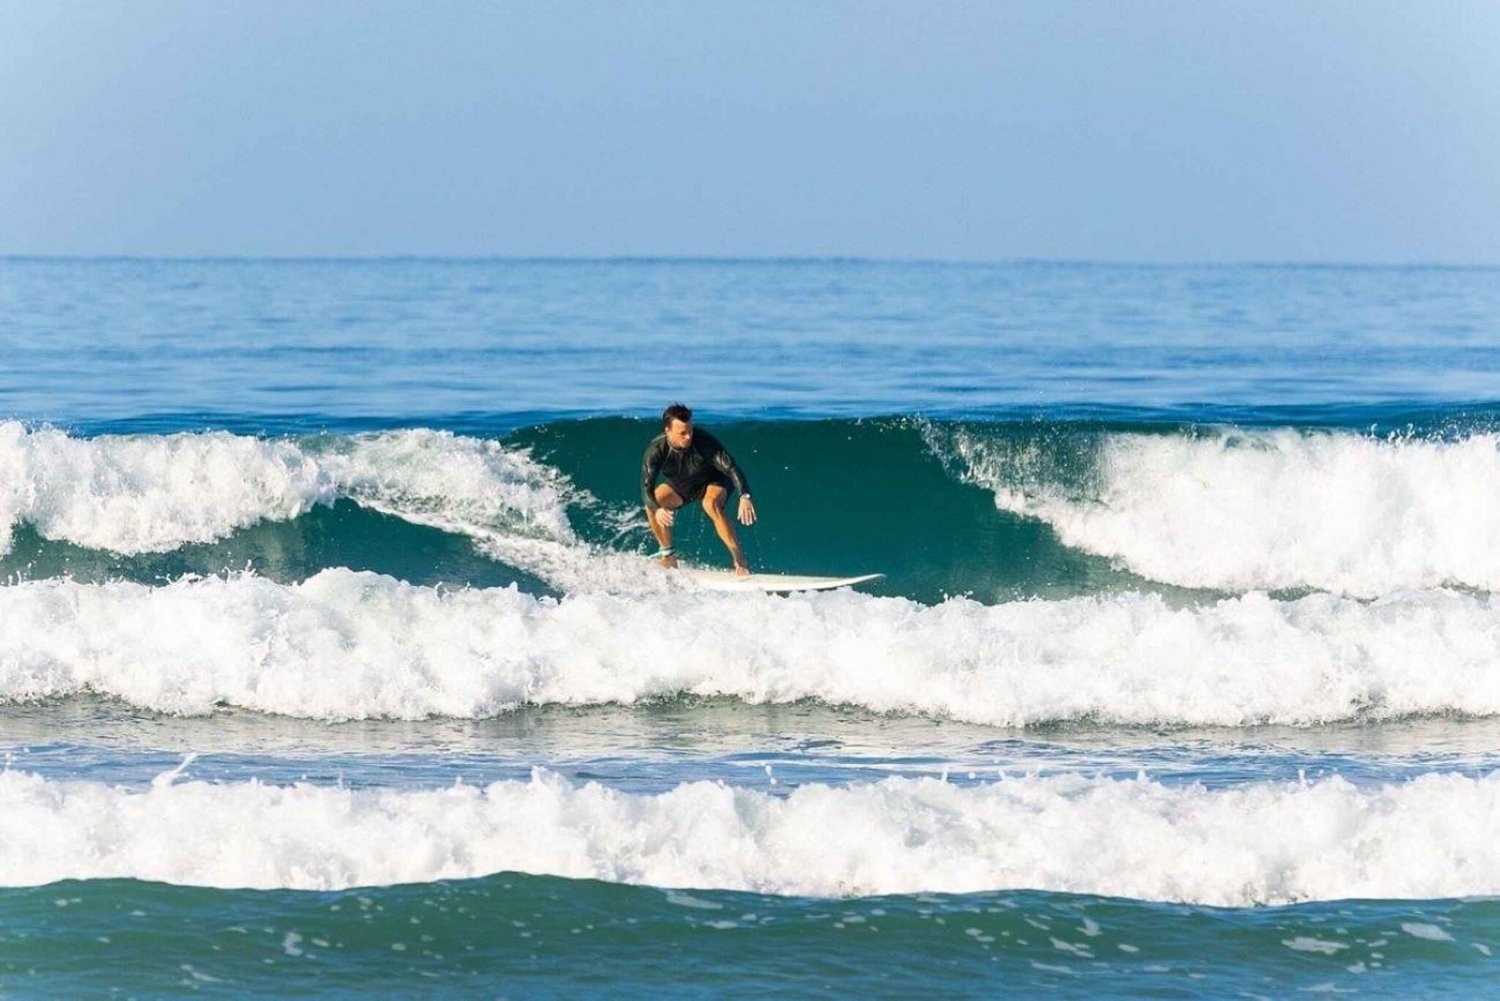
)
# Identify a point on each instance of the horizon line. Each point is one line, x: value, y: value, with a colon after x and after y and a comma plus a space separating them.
x: 740, y: 259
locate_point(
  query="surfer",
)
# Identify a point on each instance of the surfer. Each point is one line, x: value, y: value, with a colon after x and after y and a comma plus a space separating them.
x: 694, y: 465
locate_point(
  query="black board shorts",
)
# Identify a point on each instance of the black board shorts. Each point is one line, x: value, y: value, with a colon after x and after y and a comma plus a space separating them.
x: 693, y: 490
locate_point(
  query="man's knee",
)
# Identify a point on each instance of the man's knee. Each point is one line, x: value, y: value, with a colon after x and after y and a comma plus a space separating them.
x: 667, y: 497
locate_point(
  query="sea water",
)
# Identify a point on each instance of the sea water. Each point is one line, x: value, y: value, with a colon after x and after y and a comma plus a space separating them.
x: 330, y: 661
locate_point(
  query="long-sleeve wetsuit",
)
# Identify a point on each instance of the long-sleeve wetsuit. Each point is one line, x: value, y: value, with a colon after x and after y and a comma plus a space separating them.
x: 689, y: 470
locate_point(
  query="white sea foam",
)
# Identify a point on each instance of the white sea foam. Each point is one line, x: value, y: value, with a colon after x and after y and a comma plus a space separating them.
x: 347, y: 644
x: 1261, y: 843
x: 153, y: 493
x: 150, y: 492
x: 1264, y: 509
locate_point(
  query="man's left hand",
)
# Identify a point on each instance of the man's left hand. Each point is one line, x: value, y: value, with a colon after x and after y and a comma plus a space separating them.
x: 747, y: 511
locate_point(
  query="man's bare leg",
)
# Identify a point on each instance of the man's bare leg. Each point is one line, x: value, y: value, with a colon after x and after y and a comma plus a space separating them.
x: 713, y: 505
x: 666, y: 499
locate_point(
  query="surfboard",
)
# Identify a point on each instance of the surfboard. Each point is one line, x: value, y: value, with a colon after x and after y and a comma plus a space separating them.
x: 725, y: 580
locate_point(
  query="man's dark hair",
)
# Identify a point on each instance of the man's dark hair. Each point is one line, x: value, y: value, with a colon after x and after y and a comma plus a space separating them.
x: 676, y: 412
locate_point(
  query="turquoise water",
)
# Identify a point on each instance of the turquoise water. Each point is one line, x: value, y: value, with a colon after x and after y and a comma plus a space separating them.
x: 519, y: 935
x: 327, y: 649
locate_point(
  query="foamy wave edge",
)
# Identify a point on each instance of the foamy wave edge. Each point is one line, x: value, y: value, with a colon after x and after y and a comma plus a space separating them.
x: 1242, y: 510
x: 354, y: 645
x: 1263, y: 843
x: 154, y: 493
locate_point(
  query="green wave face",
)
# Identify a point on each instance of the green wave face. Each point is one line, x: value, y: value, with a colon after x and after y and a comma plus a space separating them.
x: 341, y: 535
x: 517, y: 935
x: 845, y: 497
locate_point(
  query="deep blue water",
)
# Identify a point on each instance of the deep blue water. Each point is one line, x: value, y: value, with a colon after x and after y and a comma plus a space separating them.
x: 354, y: 343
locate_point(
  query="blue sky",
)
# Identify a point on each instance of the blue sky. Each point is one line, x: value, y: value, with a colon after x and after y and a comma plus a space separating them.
x: 1149, y: 131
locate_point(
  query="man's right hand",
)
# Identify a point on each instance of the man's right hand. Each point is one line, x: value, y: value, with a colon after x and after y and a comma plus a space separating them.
x: 664, y: 517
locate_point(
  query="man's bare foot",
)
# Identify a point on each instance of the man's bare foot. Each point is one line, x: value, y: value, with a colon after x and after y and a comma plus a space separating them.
x: 670, y: 562
x: 740, y: 570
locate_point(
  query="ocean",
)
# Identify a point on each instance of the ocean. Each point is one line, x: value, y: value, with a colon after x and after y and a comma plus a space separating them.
x: 331, y: 663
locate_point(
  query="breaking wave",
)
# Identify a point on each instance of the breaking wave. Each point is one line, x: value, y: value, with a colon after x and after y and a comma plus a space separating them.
x: 1243, y: 510
x: 1261, y: 843
x: 347, y: 644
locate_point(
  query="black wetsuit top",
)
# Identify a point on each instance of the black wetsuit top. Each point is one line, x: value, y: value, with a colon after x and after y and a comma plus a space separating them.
x: 689, y: 470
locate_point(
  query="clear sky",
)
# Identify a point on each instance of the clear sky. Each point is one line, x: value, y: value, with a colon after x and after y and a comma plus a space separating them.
x: 1146, y: 131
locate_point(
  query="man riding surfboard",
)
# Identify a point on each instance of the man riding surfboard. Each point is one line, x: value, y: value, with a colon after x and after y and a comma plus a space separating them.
x: 694, y: 465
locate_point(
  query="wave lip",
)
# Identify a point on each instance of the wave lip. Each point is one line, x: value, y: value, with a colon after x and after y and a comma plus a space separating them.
x: 154, y: 493
x: 1243, y: 510
x: 150, y: 493
x: 1263, y: 843
x: 352, y: 645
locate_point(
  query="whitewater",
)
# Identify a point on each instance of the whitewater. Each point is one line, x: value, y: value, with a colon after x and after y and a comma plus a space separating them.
x: 1261, y: 843
x: 348, y: 645
x: 1235, y: 509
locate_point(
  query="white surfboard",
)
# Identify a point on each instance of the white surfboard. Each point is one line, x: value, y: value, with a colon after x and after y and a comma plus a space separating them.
x: 725, y: 580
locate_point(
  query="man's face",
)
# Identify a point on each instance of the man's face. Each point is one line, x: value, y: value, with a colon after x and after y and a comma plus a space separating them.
x: 680, y: 433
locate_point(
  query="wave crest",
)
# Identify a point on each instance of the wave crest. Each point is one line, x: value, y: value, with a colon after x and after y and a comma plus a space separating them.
x: 1263, y: 843
x: 1276, y: 509
x: 347, y: 645
x: 154, y: 493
